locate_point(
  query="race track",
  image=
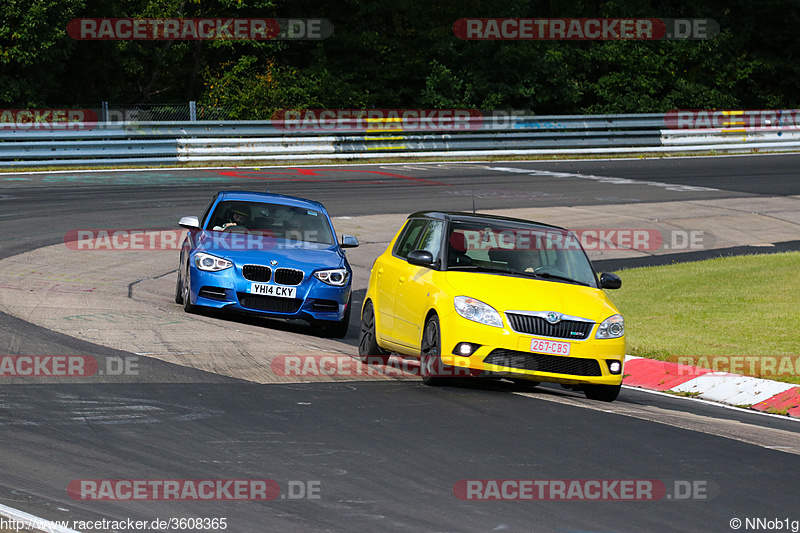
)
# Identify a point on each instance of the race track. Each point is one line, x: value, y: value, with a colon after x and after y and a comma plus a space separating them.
x: 205, y: 401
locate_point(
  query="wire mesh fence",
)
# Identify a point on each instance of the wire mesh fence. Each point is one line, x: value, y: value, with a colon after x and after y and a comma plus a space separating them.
x: 186, y: 111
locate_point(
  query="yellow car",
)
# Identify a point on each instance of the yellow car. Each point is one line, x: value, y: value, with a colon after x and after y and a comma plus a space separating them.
x: 488, y: 296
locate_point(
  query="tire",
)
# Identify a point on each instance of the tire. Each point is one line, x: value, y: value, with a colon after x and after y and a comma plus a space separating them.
x: 525, y: 384
x: 431, y: 368
x: 179, y: 289
x: 368, y: 350
x: 602, y: 393
x: 186, y: 296
x: 338, y: 329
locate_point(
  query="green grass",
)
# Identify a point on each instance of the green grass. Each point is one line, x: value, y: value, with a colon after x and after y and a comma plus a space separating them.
x: 733, y: 306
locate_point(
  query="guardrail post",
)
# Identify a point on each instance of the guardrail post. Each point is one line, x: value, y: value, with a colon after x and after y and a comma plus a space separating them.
x: 104, y: 112
x: 193, y: 111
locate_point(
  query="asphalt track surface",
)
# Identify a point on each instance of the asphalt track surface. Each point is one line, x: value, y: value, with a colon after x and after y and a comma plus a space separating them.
x: 385, y: 455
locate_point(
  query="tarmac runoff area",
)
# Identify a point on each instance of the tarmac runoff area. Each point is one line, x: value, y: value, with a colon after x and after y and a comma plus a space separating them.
x: 124, y: 299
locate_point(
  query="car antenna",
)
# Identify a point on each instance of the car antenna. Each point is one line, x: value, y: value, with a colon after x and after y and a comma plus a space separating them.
x: 472, y: 184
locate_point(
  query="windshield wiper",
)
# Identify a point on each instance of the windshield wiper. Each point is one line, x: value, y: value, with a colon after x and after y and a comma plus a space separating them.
x: 479, y: 268
x: 548, y: 275
x: 544, y: 275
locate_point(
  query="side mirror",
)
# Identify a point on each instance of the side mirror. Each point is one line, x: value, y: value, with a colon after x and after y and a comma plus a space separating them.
x: 189, y: 223
x: 610, y: 281
x: 348, y: 241
x: 421, y: 258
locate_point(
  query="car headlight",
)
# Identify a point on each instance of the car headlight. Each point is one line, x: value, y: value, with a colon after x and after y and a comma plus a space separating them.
x: 477, y: 311
x: 210, y: 263
x: 612, y: 327
x: 337, y: 277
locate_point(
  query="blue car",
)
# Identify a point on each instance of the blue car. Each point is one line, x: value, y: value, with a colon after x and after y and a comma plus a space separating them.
x: 270, y: 255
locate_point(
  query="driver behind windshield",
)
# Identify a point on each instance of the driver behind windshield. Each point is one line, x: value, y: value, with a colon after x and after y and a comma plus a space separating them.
x: 238, y: 215
x: 524, y: 260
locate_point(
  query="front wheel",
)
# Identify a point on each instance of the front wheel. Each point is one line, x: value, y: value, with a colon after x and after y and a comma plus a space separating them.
x: 602, y: 393
x: 179, y: 289
x: 525, y: 384
x: 186, y: 295
x: 431, y: 367
x: 338, y: 329
x: 368, y: 350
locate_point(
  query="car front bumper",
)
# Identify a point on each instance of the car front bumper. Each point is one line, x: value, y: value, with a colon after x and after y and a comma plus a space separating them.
x: 502, y: 352
x: 314, y: 299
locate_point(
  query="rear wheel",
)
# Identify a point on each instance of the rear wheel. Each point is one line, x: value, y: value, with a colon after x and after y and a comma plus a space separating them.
x: 368, y: 350
x: 338, y: 329
x: 602, y: 393
x: 431, y: 367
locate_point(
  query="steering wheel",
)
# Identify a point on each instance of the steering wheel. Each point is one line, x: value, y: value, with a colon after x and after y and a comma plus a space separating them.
x: 235, y: 229
x: 550, y: 269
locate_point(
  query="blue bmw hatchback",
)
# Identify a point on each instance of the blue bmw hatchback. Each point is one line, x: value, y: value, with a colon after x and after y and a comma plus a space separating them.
x: 270, y: 255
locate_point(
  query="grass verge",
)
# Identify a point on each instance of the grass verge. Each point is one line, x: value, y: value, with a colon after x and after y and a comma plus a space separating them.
x: 735, y: 314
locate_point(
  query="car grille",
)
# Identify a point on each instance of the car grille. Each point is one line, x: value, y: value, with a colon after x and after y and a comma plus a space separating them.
x: 269, y: 303
x: 534, y: 325
x: 257, y: 273
x: 539, y: 362
x: 288, y: 276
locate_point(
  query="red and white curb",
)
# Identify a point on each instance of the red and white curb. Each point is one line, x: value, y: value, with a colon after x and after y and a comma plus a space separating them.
x: 732, y: 389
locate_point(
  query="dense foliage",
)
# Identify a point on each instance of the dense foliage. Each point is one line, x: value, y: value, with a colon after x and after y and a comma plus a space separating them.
x: 403, y: 54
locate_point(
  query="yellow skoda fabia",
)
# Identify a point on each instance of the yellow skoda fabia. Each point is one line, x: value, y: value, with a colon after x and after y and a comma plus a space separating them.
x: 480, y: 295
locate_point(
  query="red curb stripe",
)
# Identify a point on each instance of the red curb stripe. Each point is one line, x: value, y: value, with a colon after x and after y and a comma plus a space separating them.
x: 659, y: 375
x: 789, y: 400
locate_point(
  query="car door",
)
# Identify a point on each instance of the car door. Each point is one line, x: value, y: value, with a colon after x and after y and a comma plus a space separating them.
x: 389, y: 270
x: 415, y: 288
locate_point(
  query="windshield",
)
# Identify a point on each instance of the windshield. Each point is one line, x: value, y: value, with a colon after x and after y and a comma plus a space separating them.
x: 546, y: 253
x: 285, y: 223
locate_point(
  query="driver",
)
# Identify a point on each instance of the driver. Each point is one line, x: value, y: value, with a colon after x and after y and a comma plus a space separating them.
x: 238, y: 216
x: 525, y: 261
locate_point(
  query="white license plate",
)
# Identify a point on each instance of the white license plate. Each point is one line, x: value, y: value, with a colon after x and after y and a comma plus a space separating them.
x: 550, y: 347
x: 264, y: 289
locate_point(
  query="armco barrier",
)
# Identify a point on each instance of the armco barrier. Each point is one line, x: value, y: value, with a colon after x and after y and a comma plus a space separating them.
x: 150, y: 143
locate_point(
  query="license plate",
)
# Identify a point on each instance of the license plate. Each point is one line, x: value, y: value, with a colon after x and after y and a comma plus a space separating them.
x: 550, y: 347
x: 264, y: 289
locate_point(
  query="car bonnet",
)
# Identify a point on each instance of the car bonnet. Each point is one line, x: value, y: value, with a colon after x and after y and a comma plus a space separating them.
x: 512, y: 293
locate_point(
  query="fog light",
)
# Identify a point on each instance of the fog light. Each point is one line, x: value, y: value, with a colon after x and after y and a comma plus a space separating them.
x: 465, y: 349
x: 614, y: 366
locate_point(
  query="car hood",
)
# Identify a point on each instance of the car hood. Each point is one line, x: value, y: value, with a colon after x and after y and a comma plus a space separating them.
x: 511, y: 293
x: 244, y: 249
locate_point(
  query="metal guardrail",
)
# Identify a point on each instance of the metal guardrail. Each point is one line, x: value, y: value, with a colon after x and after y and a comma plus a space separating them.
x: 152, y: 143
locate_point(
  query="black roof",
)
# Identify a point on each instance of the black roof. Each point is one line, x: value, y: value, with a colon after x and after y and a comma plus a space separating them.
x: 478, y: 218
